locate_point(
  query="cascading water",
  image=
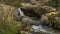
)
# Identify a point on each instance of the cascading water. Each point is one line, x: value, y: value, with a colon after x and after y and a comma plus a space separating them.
x: 21, y: 12
x: 39, y: 27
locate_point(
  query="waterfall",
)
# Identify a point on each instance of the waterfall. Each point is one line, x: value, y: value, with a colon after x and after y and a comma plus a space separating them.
x: 21, y: 12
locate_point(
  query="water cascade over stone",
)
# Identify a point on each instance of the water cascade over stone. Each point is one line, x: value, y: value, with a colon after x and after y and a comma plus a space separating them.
x: 38, y: 28
x: 21, y: 12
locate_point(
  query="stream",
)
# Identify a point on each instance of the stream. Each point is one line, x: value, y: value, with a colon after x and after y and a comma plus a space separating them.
x: 38, y: 28
x: 43, y: 29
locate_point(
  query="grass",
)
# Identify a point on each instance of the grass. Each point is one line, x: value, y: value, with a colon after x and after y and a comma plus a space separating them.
x: 7, y: 24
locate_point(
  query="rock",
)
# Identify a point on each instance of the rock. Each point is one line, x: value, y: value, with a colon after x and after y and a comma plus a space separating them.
x: 48, y: 8
x: 39, y: 1
x: 25, y: 32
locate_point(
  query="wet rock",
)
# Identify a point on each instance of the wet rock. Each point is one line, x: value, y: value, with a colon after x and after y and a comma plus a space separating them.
x: 27, y: 19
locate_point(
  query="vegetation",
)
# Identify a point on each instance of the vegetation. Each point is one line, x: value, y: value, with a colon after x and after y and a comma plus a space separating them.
x: 9, y: 26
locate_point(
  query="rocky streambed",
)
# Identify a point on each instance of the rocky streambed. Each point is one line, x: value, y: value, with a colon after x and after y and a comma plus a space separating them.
x: 36, y: 26
x: 43, y: 29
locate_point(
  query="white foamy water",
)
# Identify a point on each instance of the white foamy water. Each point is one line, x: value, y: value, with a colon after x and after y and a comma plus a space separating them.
x: 21, y: 12
x: 37, y: 28
x: 40, y: 28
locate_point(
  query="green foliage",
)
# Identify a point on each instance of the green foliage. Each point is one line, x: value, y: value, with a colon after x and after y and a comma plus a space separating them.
x: 7, y: 28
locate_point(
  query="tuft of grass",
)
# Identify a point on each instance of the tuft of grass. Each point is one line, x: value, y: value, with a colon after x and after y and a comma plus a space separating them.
x: 7, y: 24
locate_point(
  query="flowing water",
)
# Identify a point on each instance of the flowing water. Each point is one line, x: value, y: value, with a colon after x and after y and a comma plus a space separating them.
x: 21, y: 12
x: 40, y: 28
x: 43, y: 29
